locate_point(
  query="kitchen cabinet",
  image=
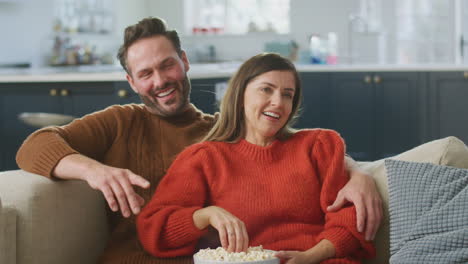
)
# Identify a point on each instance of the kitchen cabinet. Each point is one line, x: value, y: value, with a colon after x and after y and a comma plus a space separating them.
x: 125, y: 93
x: 351, y: 112
x: 76, y: 99
x: 79, y: 99
x: 203, y: 94
x: 377, y: 113
x: 447, y: 105
x: 72, y: 98
x: 14, y: 100
x: 314, y: 110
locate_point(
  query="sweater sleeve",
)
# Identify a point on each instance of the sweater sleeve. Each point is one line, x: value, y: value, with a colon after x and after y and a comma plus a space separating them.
x: 90, y: 136
x: 340, y: 227
x: 165, y: 225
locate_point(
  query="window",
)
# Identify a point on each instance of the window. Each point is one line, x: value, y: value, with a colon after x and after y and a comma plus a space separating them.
x: 424, y: 31
x: 236, y: 16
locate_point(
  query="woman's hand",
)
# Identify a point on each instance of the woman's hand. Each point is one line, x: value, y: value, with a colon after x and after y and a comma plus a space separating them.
x: 323, y: 250
x: 232, y: 231
x: 294, y: 257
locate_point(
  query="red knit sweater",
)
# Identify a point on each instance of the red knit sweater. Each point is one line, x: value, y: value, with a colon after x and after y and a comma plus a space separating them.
x: 280, y: 192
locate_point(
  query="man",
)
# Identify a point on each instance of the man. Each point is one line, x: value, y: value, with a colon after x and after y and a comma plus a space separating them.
x: 129, y: 146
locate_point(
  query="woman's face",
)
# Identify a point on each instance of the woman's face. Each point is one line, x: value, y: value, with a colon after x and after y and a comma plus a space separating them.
x: 268, y: 101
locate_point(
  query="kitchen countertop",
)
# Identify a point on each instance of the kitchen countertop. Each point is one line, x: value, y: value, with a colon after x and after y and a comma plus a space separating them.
x: 105, y: 73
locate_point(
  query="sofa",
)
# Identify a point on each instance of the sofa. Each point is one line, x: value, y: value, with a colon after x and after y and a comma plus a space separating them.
x: 44, y: 221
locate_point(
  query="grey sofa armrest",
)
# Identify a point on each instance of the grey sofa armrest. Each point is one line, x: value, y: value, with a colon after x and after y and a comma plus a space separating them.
x: 7, y: 235
x: 56, y: 221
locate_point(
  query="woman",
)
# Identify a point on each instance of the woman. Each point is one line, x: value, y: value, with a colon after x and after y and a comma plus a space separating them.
x: 257, y: 181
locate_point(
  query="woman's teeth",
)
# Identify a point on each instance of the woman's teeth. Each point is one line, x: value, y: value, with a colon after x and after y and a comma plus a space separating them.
x: 166, y: 93
x: 271, y: 114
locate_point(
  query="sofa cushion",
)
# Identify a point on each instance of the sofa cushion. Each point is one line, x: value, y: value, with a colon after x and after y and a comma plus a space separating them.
x: 448, y: 151
x: 428, y: 213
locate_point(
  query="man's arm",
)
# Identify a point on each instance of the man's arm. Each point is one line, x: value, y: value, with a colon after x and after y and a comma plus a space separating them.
x: 362, y: 192
x: 73, y: 151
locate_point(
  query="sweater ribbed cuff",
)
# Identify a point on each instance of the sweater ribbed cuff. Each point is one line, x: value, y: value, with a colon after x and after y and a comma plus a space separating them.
x: 182, y: 227
x: 345, y: 243
x: 47, y: 160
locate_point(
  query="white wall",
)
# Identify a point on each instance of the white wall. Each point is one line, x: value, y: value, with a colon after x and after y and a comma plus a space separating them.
x: 24, y: 28
x: 130, y: 12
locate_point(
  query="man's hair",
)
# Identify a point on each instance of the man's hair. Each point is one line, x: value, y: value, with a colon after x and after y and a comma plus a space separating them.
x: 148, y: 27
x: 230, y: 126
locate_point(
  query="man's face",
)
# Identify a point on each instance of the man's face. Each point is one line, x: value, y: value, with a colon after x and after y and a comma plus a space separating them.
x: 159, y: 75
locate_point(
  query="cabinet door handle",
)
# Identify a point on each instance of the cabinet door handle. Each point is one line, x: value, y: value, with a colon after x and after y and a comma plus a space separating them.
x: 377, y: 79
x: 64, y: 92
x: 53, y: 92
x: 122, y: 93
x: 465, y: 75
x: 367, y: 79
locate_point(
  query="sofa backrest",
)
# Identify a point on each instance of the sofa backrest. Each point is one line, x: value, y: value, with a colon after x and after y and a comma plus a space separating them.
x: 449, y: 151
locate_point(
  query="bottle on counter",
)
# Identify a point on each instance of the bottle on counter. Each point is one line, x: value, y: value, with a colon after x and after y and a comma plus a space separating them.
x: 332, y: 53
x: 316, y: 50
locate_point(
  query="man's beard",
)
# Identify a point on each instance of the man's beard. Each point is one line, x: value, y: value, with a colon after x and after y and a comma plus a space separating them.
x: 156, y: 108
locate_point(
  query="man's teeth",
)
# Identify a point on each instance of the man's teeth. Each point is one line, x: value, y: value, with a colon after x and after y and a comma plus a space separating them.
x: 272, y: 114
x: 166, y: 93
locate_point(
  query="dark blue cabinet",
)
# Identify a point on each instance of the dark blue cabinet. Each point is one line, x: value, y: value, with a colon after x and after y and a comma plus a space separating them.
x: 352, y: 112
x: 125, y: 94
x: 16, y: 99
x: 398, y: 112
x: 80, y: 99
x: 314, y: 110
x: 203, y: 94
x: 377, y: 113
x: 447, y: 105
x: 75, y: 99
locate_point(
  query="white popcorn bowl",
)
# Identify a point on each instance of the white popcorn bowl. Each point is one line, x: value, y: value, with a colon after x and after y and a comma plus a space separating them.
x: 264, y: 261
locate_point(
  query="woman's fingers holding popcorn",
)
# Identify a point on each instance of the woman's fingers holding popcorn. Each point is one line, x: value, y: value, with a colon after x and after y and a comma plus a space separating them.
x: 242, y: 238
x: 232, y: 231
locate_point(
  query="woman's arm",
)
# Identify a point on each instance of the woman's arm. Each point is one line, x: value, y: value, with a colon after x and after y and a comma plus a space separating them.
x: 340, y: 227
x: 165, y: 226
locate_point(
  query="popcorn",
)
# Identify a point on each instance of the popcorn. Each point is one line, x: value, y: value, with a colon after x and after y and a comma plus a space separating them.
x: 220, y: 254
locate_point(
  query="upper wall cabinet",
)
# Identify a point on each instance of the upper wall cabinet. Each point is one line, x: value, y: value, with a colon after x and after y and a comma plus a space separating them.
x: 447, y: 107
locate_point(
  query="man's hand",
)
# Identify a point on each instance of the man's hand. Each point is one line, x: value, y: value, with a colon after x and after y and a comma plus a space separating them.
x: 362, y: 192
x: 232, y: 231
x: 116, y: 184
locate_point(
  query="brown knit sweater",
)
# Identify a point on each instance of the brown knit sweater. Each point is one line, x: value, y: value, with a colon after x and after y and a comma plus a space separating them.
x: 125, y: 137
